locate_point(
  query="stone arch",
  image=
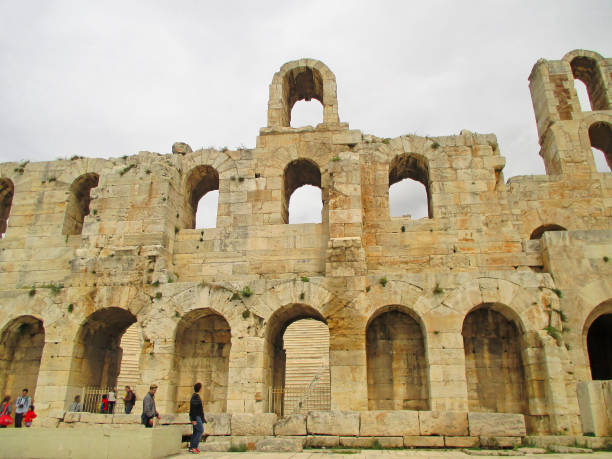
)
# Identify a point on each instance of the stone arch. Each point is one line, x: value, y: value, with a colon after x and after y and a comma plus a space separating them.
x: 494, y: 365
x: 200, y: 181
x: 201, y: 354
x: 274, y: 352
x: 96, y: 355
x: 600, y: 136
x: 298, y: 173
x: 397, y: 367
x: 415, y: 167
x: 535, y: 218
x: 21, y: 346
x: 540, y: 230
x: 302, y: 79
x: 77, y: 207
x: 587, y: 66
x: 597, y: 339
x: 7, y: 190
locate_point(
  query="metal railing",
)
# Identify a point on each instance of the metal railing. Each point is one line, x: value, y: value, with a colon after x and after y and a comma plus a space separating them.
x: 300, y: 399
x: 91, y: 398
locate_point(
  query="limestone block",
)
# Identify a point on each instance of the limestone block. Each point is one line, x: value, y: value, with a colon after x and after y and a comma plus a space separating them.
x: 218, y: 424
x: 500, y: 442
x: 389, y: 423
x: 496, y: 424
x: 322, y: 441
x: 443, y: 423
x: 333, y: 422
x: 357, y: 442
x: 421, y: 441
x: 281, y: 445
x: 592, y: 407
x: 294, y: 424
x: 246, y: 440
x: 461, y: 442
x: 248, y: 424
x: 96, y: 418
x: 180, y: 148
x: 220, y: 446
x: 70, y: 417
x: 347, y: 138
x: 124, y: 418
x: 390, y: 442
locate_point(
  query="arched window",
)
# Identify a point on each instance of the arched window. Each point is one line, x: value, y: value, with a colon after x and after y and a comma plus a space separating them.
x: 493, y: 362
x: 537, y: 233
x: 599, y: 345
x: 600, y: 135
x: 306, y: 113
x: 6, y: 200
x: 409, y: 187
x: 297, y: 360
x: 78, y: 203
x: 299, y: 173
x: 587, y: 70
x: 302, y: 83
x: 397, y: 369
x: 203, y: 343
x: 202, y: 201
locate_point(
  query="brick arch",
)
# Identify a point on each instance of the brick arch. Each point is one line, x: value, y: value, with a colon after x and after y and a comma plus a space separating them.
x: 302, y: 79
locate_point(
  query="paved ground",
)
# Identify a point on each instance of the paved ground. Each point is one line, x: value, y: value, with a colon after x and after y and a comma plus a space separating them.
x: 388, y: 454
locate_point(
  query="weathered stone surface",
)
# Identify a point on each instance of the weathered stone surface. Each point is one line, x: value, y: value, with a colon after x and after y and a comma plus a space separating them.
x: 72, y: 417
x: 389, y: 423
x: 528, y: 450
x: 568, y: 449
x: 218, y: 446
x: 421, y: 441
x: 500, y: 442
x: 181, y: 148
x: 124, y: 419
x: 356, y: 442
x: 293, y: 424
x: 218, y: 424
x: 461, y: 442
x: 492, y: 452
x: 496, y: 425
x: 443, y: 423
x: 96, y: 418
x: 278, y: 445
x: 322, y: 441
x: 333, y: 422
x: 247, y: 424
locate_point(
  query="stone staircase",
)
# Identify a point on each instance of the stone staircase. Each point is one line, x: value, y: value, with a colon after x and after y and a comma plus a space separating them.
x: 129, y: 374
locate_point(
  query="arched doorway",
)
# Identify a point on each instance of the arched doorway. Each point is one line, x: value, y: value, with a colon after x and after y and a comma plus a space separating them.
x: 21, y: 348
x: 297, y: 361
x: 396, y: 363
x: 202, y: 349
x: 599, y: 345
x: 97, y: 353
x: 493, y: 361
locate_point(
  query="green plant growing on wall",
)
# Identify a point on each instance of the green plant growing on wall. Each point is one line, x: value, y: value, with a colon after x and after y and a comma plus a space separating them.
x: 126, y: 169
x: 305, y: 279
x: 558, y: 292
x: 302, y: 296
x: 32, y: 291
x: 70, y: 307
x: 235, y: 296
x: 246, y: 314
x: 158, y: 295
x: 556, y: 334
x: 246, y: 292
x: 435, y: 145
x: 437, y: 289
x: 606, y: 259
x: 383, y: 281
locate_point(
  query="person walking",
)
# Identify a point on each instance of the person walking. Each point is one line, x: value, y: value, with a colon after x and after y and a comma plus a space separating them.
x: 21, y: 407
x: 196, y: 416
x: 129, y: 400
x: 5, y: 412
x: 148, y: 407
x: 76, y: 406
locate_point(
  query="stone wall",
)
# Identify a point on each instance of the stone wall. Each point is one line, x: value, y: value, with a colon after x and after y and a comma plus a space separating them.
x: 213, y: 304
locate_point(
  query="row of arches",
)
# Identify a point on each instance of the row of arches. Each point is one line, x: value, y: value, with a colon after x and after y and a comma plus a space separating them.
x: 398, y: 373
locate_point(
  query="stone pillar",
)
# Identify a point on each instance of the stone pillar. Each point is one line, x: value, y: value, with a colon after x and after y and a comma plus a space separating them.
x: 447, y: 382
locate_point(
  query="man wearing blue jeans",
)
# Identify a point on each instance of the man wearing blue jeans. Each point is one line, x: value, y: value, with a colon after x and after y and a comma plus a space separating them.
x: 196, y: 416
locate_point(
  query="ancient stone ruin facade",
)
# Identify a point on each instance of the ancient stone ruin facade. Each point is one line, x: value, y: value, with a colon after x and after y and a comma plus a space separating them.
x: 499, y: 301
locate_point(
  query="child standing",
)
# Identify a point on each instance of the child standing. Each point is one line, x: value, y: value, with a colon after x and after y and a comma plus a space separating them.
x: 104, y: 404
x: 29, y: 416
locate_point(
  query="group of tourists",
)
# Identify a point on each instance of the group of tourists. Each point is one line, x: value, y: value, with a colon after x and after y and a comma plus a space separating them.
x: 24, y: 411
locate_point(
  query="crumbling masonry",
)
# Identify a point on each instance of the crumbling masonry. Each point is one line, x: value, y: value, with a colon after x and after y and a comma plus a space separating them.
x: 499, y: 302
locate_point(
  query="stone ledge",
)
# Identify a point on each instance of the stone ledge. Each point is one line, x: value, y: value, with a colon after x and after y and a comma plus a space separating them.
x: 496, y: 425
x: 389, y: 423
x: 333, y: 423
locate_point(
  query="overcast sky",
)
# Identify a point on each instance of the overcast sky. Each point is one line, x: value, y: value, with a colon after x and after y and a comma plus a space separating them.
x: 114, y: 78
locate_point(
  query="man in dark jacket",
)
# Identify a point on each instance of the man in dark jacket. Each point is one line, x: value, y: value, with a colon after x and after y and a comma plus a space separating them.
x: 196, y: 416
x: 148, y: 407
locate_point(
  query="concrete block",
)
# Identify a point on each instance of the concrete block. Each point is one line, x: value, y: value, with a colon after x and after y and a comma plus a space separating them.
x: 333, y: 423
x: 496, y: 425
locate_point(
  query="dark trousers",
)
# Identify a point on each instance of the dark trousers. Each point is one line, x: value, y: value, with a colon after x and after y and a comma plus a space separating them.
x: 128, y: 408
x: 18, y: 419
x: 198, y: 430
x: 111, y: 407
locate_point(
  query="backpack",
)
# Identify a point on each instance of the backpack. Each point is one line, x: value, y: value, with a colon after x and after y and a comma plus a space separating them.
x: 133, y: 398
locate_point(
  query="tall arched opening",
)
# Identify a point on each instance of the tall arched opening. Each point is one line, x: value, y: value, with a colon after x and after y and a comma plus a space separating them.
x: 586, y: 69
x: 79, y: 199
x: 493, y: 361
x: 202, y: 349
x: 599, y: 346
x: 97, y: 354
x: 202, y: 192
x: 600, y: 135
x: 297, y: 361
x: 6, y: 200
x: 409, y: 192
x: 21, y: 348
x: 298, y: 174
x: 396, y: 362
